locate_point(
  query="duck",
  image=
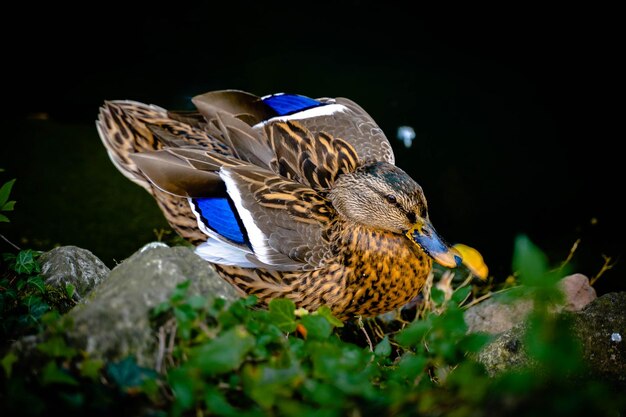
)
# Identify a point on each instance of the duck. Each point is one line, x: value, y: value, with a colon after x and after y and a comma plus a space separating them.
x: 285, y: 195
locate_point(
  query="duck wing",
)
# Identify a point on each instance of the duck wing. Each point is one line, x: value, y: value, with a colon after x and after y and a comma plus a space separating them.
x: 255, y: 217
x: 310, y: 140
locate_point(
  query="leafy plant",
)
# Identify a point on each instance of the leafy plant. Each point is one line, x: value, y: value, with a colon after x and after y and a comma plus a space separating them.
x: 23, y: 296
x: 239, y: 359
x: 5, y: 203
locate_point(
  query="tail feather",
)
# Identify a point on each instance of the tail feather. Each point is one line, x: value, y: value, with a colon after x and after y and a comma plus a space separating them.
x: 128, y: 127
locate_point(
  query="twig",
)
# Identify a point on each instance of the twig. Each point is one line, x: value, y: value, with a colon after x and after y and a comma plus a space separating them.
x: 9, y: 242
x: 367, y: 336
x: 161, y: 351
x: 484, y: 297
x: 605, y: 267
x: 570, y: 255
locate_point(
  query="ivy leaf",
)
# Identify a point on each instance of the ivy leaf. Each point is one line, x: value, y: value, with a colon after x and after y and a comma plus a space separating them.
x: 282, y: 314
x: 55, y: 347
x: 25, y: 262
x: 265, y: 384
x: 217, y: 403
x: 183, y: 382
x: 437, y: 295
x: 474, y: 342
x: 90, y: 368
x: 383, y: 348
x: 461, y: 294
x: 52, y: 374
x: 36, y: 306
x: 7, y: 363
x: 414, y: 333
x: 4, y: 219
x: 325, y: 312
x: 37, y: 282
x: 409, y: 368
x: 197, y: 302
x: 317, y: 327
x: 184, y: 313
x: 180, y: 292
x: 224, y: 353
x: 160, y: 308
x: 127, y: 374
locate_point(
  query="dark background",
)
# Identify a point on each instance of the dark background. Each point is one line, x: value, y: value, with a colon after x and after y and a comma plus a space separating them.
x: 518, y: 112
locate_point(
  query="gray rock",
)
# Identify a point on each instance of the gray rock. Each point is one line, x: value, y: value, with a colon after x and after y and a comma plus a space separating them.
x: 494, y: 316
x: 506, y: 352
x: 114, y: 321
x: 600, y: 328
x: 75, y: 266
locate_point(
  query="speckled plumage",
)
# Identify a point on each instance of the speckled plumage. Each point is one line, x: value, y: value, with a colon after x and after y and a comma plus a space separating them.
x: 311, y: 206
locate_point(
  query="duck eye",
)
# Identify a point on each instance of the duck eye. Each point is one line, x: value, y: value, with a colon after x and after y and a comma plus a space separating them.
x: 391, y: 198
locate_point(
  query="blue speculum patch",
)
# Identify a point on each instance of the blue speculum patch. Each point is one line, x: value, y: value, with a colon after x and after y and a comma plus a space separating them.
x: 218, y: 214
x: 285, y: 104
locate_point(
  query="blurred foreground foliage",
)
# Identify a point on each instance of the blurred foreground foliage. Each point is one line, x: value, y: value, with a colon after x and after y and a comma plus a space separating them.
x: 239, y: 360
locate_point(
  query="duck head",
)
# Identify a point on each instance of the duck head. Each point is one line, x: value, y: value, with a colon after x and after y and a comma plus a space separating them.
x: 383, y: 196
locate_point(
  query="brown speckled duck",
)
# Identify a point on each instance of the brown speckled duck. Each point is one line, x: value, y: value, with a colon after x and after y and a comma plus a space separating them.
x: 287, y: 196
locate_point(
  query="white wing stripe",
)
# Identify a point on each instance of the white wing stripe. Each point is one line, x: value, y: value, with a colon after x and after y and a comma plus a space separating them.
x: 324, y: 110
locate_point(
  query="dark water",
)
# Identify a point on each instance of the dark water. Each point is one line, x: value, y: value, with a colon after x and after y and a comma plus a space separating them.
x: 515, y: 118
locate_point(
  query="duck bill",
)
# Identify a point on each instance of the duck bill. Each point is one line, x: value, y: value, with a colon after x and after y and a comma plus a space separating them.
x: 425, y: 236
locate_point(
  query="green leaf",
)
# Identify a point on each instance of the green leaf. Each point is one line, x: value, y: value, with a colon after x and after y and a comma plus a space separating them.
x: 474, y: 342
x: 8, y: 206
x: 317, y: 327
x: 250, y: 300
x: 414, y: 333
x: 36, y: 306
x: 56, y: 347
x: 90, y: 368
x: 224, y: 353
x: 437, y: 295
x: 69, y: 290
x: 325, y: 312
x: 52, y: 374
x: 321, y: 393
x: 461, y: 294
x: 184, y: 313
x: 127, y: 374
x: 383, y: 348
x: 4, y: 219
x: 37, y: 282
x: 217, y: 403
x: 529, y: 261
x: 183, y: 382
x: 25, y: 262
x: 7, y: 363
x: 265, y: 384
x: 180, y: 292
x: 282, y: 314
x: 198, y: 302
x: 348, y: 367
x: 73, y: 400
x: 409, y: 368
x: 5, y: 190
x: 452, y: 321
x: 161, y: 308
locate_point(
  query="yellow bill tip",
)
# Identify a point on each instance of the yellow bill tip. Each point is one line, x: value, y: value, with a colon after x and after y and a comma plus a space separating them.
x: 473, y: 260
